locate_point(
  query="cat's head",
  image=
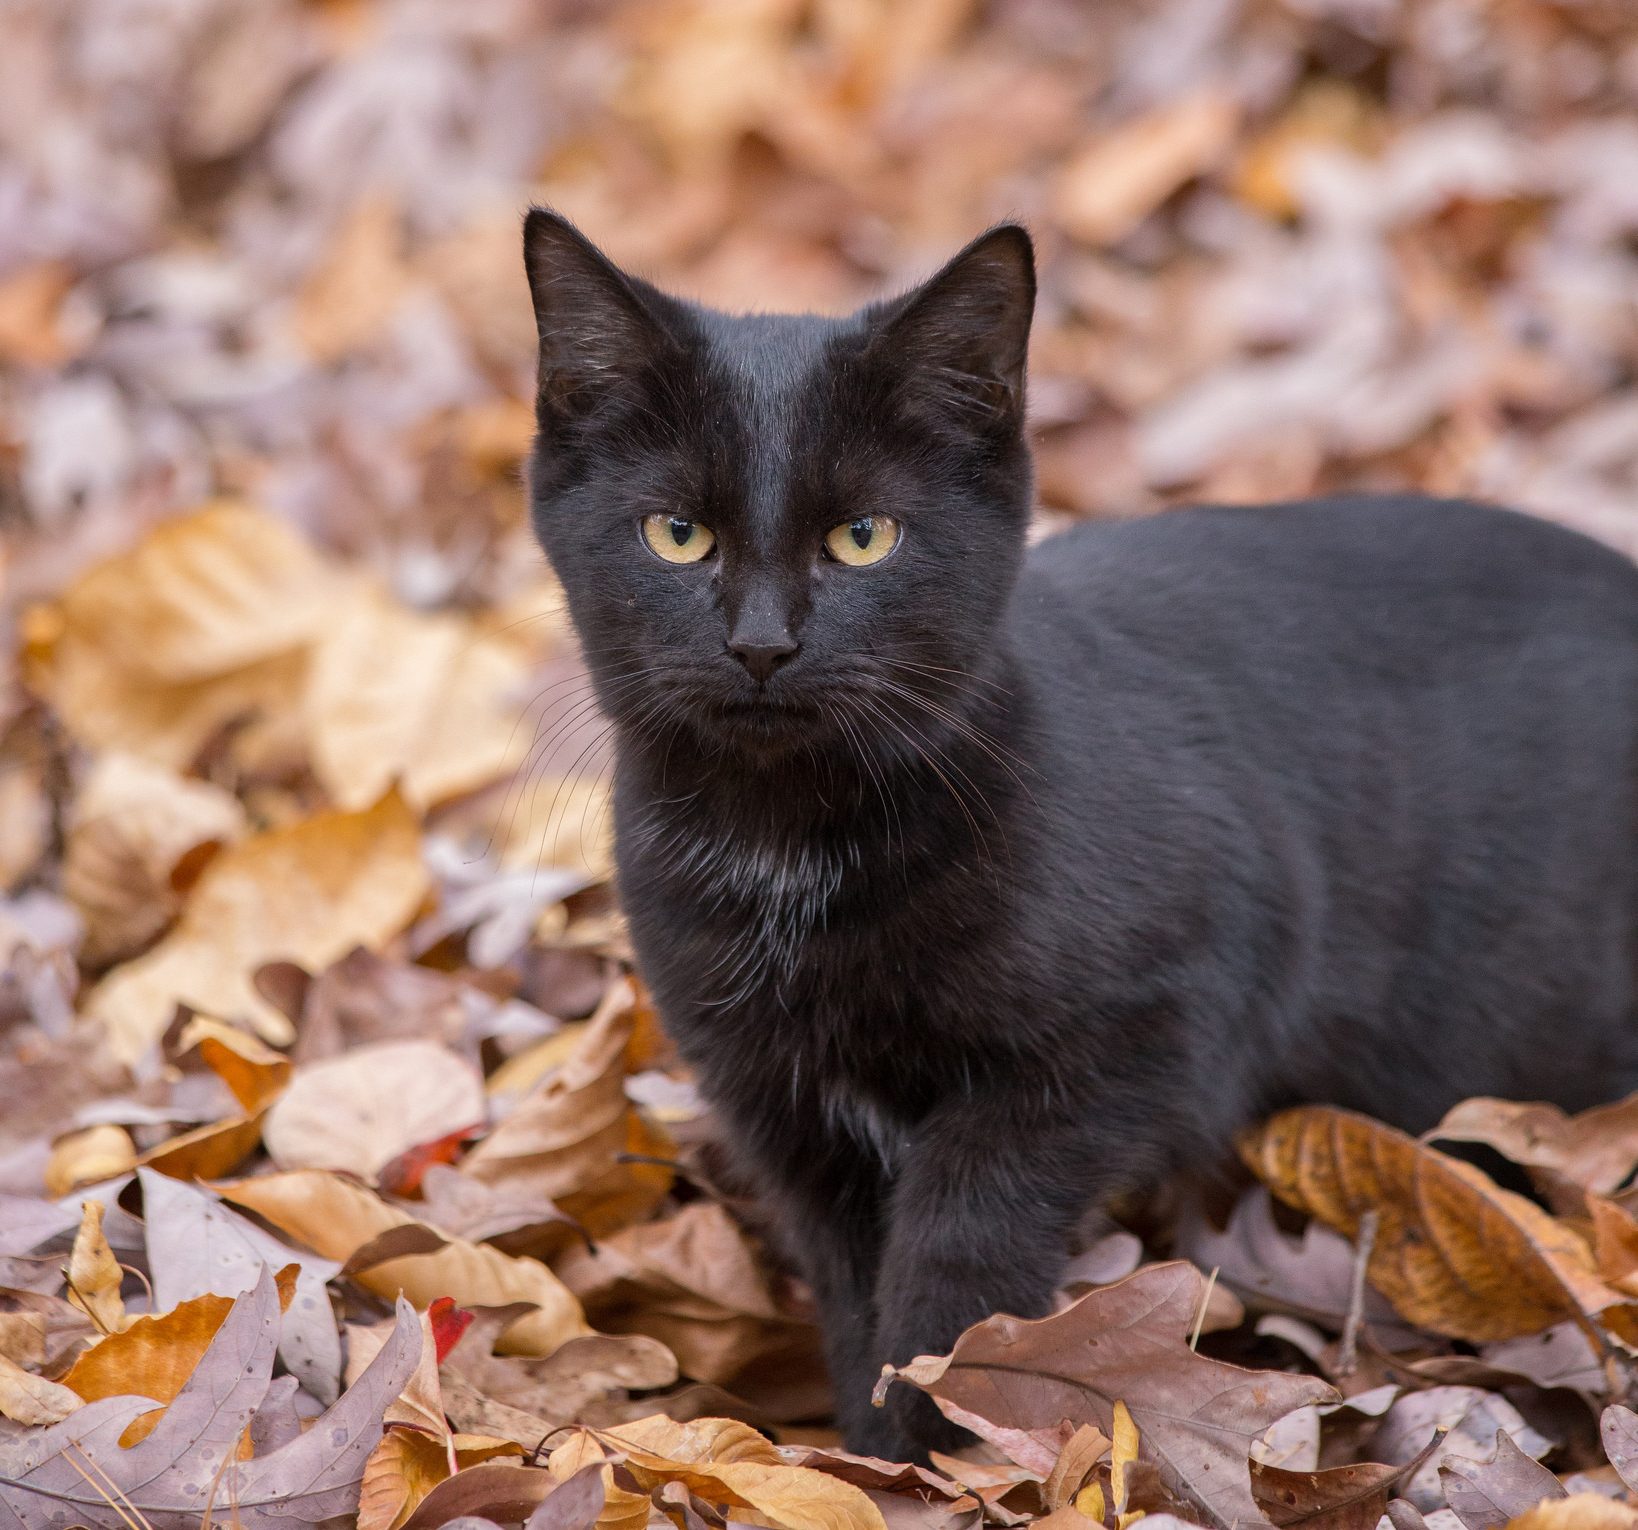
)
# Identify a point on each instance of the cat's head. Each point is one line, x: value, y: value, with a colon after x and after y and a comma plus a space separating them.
x: 775, y: 530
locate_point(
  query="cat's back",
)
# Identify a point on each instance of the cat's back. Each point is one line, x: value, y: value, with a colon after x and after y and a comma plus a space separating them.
x: 1392, y: 588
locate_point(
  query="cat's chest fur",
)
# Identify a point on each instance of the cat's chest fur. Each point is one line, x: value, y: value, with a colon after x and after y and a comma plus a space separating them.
x: 786, y: 969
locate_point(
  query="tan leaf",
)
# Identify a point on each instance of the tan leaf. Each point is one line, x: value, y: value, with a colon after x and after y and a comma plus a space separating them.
x: 29, y: 1399
x: 1453, y: 1251
x: 353, y: 294
x: 31, y: 300
x: 1117, y: 180
x: 254, y: 1073
x: 1580, y: 1511
x: 566, y: 1142
x: 136, y: 831
x: 425, y: 700
x: 94, y: 1275
x: 333, y: 1216
x: 359, y: 1111
x: 1593, y: 1151
x: 795, y: 1497
x: 205, y: 620
x: 622, y: 1509
x: 403, y: 1468
x: 308, y: 893
x: 89, y: 1156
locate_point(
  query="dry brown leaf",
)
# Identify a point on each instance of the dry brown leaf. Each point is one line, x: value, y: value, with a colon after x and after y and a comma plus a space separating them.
x: 1016, y: 1383
x: 1580, y: 1511
x: 204, y: 621
x: 334, y: 1216
x: 427, y: 701
x: 31, y: 300
x: 94, y: 1275
x: 308, y: 893
x: 139, y: 834
x: 1453, y: 1251
x: 693, y: 1282
x: 88, y: 1157
x: 622, y: 1509
x: 359, y: 1111
x: 1118, y: 179
x: 565, y: 1142
x: 352, y: 296
x: 1593, y: 1151
x: 26, y: 1398
x: 730, y: 1465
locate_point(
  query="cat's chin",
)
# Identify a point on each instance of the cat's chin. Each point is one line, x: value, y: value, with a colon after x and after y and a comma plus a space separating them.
x: 760, y: 728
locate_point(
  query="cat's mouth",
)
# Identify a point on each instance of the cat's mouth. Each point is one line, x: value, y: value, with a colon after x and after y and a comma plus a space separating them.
x: 764, y: 721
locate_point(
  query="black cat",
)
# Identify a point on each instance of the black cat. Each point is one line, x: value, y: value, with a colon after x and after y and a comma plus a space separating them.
x: 980, y: 885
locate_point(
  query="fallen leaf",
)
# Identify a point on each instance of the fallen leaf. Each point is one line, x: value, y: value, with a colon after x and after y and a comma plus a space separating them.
x: 88, y: 1157
x: 1579, y: 1511
x: 138, y: 834
x: 1117, y: 180
x: 184, y: 1466
x: 1453, y: 1251
x: 359, y: 1111
x: 1595, y: 1150
x: 307, y: 893
x: 205, y: 620
x: 94, y: 1275
x: 334, y: 1217
x: 425, y: 701
x: 1489, y: 1494
x: 570, y: 1141
x: 1618, y: 1428
x: 1006, y: 1379
x: 196, y: 1245
x: 27, y: 1398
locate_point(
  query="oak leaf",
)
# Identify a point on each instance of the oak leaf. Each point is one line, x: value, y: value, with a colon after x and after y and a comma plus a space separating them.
x: 1453, y: 1251
x: 1008, y: 1380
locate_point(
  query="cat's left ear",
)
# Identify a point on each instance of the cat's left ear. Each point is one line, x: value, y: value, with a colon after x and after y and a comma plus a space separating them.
x: 962, y: 337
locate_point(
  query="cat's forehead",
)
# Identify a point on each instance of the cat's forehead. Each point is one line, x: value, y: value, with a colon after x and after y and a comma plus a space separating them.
x: 770, y: 355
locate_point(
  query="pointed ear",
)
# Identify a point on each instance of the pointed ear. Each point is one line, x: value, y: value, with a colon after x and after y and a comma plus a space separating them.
x: 962, y: 337
x: 598, y: 327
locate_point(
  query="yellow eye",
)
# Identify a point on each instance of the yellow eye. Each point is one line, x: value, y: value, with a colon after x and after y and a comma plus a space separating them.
x: 864, y: 541
x: 678, y: 539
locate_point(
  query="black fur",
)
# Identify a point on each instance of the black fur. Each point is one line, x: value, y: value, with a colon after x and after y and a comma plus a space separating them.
x: 1029, y: 877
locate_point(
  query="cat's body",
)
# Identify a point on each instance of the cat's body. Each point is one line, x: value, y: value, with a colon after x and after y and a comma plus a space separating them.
x: 1186, y: 818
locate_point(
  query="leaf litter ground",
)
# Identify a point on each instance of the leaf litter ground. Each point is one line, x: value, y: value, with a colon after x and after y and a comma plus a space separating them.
x: 345, y: 1172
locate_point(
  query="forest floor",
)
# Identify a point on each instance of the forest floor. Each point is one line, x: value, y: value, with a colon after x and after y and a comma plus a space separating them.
x: 325, y: 1081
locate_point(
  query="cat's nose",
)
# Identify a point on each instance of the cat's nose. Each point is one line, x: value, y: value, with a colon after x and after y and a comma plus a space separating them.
x: 763, y: 654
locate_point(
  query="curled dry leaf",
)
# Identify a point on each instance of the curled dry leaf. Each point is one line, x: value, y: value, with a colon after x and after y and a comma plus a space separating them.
x: 1592, y: 1151
x: 1010, y: 1380
x: 567, y: 1142
x: 94, y: 1275
x: 693, y: 1281
x: 308, y: 893
x: 359, y: 1111
x: 1453, y: 1251
x: 139, y: 835
x: 88, y: 1157
x: 335, y: 1216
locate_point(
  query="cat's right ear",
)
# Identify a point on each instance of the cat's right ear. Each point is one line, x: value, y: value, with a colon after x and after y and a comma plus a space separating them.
x: 598, y: 327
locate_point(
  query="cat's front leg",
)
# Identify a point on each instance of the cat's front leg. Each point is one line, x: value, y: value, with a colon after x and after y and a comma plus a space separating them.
x: 829, y: 1203
x: 980, y: 1221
